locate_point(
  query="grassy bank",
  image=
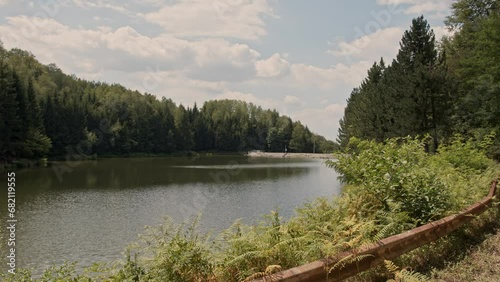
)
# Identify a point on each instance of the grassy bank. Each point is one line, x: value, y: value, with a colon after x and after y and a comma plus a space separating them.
x: 481, y: 262
x: 390, y: 188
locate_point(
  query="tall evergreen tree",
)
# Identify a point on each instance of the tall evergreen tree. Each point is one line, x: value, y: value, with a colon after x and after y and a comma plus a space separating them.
x: 34, y: 115
x: 10, y: 123
x: 409, y: 97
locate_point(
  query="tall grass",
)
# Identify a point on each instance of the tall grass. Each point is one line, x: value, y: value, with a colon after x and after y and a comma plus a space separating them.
x: 389, y: 187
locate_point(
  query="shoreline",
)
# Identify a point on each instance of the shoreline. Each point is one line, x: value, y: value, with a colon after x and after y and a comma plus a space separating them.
x: 290, y: 155
x: 45, y: 162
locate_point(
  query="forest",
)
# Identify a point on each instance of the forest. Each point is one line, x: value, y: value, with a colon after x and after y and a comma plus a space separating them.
x: 44, y: 112
x: 434, y: 88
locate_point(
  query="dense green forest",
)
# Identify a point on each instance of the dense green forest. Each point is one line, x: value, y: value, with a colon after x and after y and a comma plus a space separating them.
x: 432, y: 88
x: 44, y: 112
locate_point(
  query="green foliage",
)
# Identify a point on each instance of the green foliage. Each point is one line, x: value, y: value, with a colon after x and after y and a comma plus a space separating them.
x: 397, y: 171
x: 37, y: 145
x: 179, y: 254
x: 131, y: 271
x: 464, y: 155
x: 299, y: 138
x: 474, y: 68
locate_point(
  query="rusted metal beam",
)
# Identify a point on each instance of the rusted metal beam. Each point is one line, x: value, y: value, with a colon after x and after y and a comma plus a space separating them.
x: 385, y: 249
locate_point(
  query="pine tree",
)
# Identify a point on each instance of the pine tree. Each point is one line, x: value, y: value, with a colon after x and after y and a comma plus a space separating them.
x: 364, y: 114
x: 34, y: 115
x: 10, y: 124
x: 425, y: 74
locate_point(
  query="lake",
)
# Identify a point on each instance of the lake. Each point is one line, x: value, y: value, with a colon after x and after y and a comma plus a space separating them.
x: 92, y: 210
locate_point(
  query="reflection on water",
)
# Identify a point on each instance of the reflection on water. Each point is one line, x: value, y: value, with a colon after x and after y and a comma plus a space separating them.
x: 101, y: 206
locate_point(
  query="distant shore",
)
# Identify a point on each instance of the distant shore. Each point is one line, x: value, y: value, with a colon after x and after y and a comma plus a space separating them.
x: 291, y: 155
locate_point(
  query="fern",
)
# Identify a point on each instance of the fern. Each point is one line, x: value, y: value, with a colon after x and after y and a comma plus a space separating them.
x: 403, y: 275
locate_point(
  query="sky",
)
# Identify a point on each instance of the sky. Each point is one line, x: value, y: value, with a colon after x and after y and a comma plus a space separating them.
x: 302, y: 58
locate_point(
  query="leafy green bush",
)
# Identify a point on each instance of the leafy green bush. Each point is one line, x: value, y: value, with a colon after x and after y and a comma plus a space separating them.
x: 178, y: 254
x: 397, y: 171
x: 467, y: 156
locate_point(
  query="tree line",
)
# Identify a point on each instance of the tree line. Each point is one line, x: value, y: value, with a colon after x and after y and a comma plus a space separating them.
x: 431, y: 88
x: 44, y: 112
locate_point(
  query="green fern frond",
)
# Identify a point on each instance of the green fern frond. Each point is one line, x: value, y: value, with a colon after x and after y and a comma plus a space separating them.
x: 384, y: 232
x: 391, y: 266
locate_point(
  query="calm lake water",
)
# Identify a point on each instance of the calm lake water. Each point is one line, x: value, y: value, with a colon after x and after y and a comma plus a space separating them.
x: 93, y: 212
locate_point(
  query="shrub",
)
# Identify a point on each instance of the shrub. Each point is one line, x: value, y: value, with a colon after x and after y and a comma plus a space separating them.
x: 395, y: 172
x: 179, y: 254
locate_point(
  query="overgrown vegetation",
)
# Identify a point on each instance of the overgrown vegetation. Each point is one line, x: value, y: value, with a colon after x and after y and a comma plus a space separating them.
x: 390, y: 187
x: 479, y: 264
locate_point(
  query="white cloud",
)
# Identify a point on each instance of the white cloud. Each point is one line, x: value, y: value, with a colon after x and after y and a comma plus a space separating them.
x: 161, y: 47
x: 219, y: 18
x: 323, y: 120
x: 382, y: 43
x: 212, y: 49
x: 430, y: 8
x: 293, y: 101
x: 441, y: 31
x: 217, y: 59
x: 103, y: 4
x: 126, y: 49
x: 265, y: 103
x: 154, y: 3
x: 275, y: 66
x: 307, y: 75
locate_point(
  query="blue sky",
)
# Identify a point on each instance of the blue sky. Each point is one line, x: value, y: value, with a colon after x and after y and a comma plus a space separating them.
x: 300, y: 57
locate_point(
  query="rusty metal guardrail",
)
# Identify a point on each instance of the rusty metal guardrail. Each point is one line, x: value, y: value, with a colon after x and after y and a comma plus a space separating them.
x: 386, y: 249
